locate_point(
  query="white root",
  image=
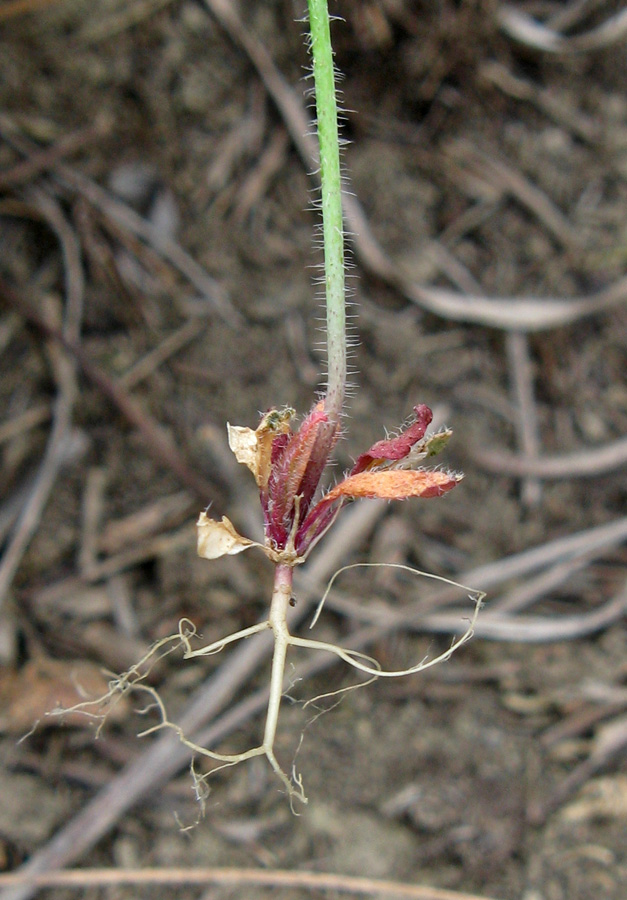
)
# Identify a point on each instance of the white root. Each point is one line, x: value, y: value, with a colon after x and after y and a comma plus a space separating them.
x: 135, y: 678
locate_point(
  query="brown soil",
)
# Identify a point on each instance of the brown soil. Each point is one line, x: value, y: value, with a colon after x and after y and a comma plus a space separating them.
x: 483, y: 167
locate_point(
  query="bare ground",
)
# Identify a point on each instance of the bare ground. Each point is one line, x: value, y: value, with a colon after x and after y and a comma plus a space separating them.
x: 155, y: 207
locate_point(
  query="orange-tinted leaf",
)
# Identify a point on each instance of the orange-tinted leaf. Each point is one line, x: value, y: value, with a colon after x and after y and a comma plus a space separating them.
x: 396, y: 484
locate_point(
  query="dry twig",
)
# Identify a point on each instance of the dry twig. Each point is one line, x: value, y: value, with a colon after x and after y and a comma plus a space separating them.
x: 158, y: 443
x: 65, y: 375
x: 533, y: 629
x: 127, y: 218
x: 30, y: 418
x: 503, y: 176
x: 127, y: 15
x: 609, y: 745
x: 526, y: 412
x: 43, y: 160
x: 572, y: 119
x: 529, y: 31
x: 580, y: 464
x: 273, y: 878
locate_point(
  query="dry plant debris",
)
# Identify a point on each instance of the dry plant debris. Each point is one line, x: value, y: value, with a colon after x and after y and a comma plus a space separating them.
x: 487, y: 164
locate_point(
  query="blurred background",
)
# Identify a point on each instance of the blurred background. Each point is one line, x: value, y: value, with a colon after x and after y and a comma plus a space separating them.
x: 158, y: 236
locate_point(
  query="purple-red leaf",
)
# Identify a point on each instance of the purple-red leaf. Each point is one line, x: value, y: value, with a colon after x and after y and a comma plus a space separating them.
x: 397, y: 447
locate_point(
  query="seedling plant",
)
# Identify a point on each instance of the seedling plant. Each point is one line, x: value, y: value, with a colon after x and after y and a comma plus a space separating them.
x: 288, y: 463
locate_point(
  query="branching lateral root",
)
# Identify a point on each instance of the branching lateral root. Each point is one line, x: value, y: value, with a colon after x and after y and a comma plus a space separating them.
x: 134, y: 680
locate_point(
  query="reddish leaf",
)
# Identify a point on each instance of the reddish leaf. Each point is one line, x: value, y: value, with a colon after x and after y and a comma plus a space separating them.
x: 397, y: 447
x: 290, y: 468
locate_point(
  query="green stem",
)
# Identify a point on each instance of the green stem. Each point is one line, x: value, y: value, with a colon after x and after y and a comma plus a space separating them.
x: 332, y: 223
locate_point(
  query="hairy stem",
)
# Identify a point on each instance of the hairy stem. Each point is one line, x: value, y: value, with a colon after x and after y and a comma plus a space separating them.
x: 332, y: 224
